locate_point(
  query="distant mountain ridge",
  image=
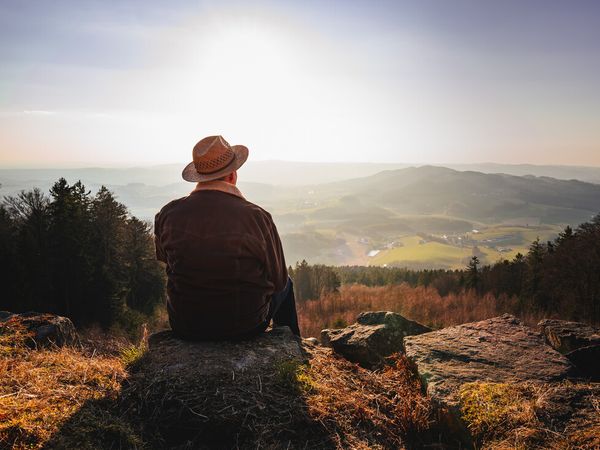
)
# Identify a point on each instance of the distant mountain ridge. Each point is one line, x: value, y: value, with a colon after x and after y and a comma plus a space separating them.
x: 473, y: 195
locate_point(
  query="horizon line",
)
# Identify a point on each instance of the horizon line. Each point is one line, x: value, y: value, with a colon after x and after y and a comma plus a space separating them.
x: 125, y: 166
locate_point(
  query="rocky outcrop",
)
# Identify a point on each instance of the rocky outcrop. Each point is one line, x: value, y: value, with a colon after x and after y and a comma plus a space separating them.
x: 238, y: 394
x: 188, y: 359
x: 566, y: 337
x: 374, y: 336
x: 37, y: 330
x: 501, y: 350
x: 579, y: 342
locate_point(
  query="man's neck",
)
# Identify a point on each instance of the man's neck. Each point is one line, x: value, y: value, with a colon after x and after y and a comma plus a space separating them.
x: 218, y: 185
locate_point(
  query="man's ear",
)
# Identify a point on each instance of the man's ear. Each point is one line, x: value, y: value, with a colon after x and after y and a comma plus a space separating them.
x: 233, y: 177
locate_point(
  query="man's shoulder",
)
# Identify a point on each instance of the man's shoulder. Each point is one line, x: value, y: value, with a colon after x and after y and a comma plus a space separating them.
x: 259, y: 211
x: 169, y: 206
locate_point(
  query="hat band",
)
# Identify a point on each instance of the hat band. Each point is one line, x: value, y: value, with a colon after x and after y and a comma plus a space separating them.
x: 218, y: 169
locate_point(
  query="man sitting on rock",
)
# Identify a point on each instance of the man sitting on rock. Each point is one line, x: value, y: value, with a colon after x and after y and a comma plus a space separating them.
x: 226, y: 271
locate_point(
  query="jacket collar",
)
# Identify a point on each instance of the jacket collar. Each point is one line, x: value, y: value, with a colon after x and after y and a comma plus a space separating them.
x: 218, y: 185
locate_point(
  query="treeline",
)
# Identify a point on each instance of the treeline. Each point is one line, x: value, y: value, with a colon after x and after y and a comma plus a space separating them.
x: 78, y: 255
x: 555, y: 278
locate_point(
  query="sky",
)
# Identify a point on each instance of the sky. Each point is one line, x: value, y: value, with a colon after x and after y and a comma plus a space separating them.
x: 133, y: 82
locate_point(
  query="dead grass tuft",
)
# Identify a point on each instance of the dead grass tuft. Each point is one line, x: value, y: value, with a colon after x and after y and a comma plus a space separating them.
x: 491, y: 408
x: 14, y: 337
x: 41, y: 389
x: 505, y: 416
x: 365, y: 409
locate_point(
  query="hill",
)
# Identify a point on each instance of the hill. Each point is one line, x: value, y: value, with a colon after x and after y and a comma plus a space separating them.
x: 489, y: 198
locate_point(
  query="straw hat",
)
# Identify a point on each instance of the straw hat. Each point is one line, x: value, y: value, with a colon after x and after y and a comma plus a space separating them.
x: 214, y: 158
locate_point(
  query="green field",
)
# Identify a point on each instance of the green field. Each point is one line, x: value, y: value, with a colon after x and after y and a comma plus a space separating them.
x: 433, y: 254
x: 437, y: 254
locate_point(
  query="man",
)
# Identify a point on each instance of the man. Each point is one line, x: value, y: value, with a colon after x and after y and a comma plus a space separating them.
x: 226, y: 271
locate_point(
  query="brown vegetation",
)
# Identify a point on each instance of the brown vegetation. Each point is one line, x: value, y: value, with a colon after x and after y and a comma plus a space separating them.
x: 423, y: 304
x: 41, y: 389
x: 503, y: 416
x: 362, y: 409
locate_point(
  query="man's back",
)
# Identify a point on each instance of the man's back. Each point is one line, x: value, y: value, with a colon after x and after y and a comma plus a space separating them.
x: 224, y: 261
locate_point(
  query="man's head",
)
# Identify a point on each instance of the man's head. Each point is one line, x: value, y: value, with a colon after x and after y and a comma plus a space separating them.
x: 213, y: 159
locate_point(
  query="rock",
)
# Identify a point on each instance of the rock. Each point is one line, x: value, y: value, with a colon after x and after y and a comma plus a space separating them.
x: 41, y: 329
x: 579, y: 342
x: 310, y: 341
x: 211, y: 359
x: 569, y: 336
x: 587, y: 361
x: 5, y: 315
x: 374, y: 336
x: 227, y: 394
x: 501, y: 349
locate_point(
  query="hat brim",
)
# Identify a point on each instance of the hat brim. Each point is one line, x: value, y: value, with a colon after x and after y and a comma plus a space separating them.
x: 240, y: 156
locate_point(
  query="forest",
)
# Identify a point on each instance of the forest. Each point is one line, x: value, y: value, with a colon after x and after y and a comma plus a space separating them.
x: 79, y: 255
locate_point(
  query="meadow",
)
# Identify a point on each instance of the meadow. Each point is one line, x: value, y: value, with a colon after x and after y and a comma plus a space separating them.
x: 417, y: 254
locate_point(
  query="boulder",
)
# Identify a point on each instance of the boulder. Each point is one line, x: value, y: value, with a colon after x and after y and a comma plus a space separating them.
x: 567, y: 336
x: 226, y: 394
x: 211, y: 359
x: 37, y: 330
x: 579, y: 342
x: 374, y: 336
x: 501, y: 349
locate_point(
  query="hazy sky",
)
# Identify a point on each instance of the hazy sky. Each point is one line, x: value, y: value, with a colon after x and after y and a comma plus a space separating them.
x: 139, y: 82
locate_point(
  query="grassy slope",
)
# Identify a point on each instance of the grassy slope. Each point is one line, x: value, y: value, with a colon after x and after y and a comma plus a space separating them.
x: 81, y: 398
x: 76, y: 398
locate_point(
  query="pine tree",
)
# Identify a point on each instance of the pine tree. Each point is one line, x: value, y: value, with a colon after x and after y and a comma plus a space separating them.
x: 145, y: 279
x: 29, y: 215
x: 473, y: 278
x: 69, y: 234
x: 110, y: 278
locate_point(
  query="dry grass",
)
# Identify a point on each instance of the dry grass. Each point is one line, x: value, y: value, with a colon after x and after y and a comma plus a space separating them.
x: 41, y: 389
x: 423, y: 304
x: 504, y: 416
x: 362, y: 409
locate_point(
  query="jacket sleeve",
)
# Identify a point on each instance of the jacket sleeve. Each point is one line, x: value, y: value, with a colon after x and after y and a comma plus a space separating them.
x: 160, y: 252
x: 275, y: 259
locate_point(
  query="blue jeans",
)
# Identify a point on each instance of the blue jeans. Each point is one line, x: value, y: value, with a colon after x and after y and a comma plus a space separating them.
x: 282, y: 310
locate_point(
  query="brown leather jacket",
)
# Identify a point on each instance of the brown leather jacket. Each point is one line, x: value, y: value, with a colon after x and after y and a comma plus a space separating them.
x: 224, y: 260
